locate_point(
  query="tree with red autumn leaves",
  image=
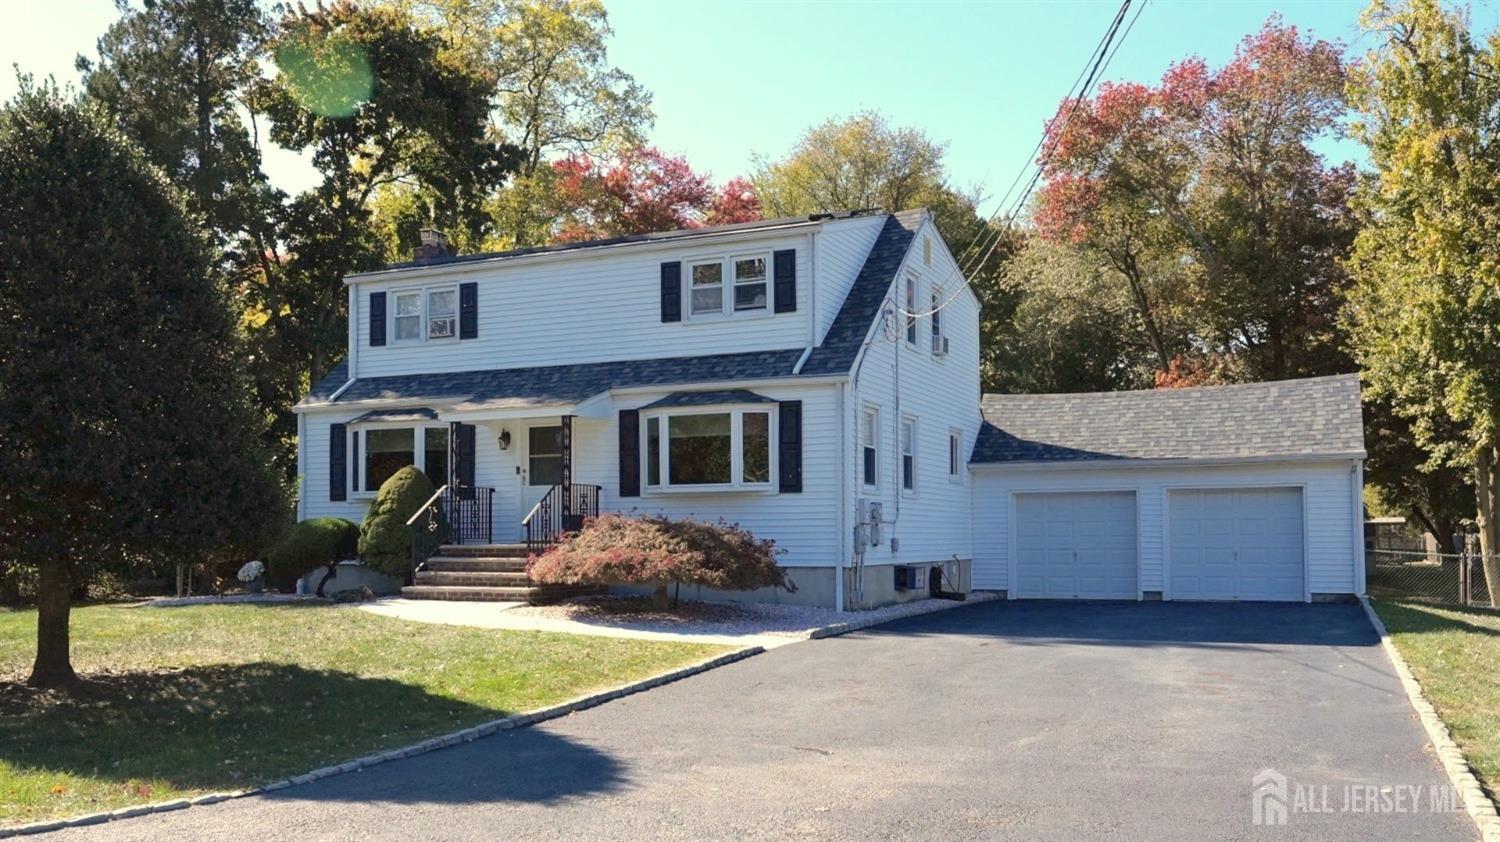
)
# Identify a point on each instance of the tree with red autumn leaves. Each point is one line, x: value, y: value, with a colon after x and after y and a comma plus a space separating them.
x: 1208, y: 182
x: 640, y: 191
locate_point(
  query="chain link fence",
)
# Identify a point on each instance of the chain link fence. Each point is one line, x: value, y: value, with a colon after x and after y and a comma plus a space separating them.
x: 1444, y: 578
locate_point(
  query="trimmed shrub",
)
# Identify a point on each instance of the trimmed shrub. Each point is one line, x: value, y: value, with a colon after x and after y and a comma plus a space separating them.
x: 384, y: 540
x: 314, y: 543
x: 655, y: 550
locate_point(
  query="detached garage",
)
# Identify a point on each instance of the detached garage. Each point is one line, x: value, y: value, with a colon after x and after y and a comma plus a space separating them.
x: 1249, y: 492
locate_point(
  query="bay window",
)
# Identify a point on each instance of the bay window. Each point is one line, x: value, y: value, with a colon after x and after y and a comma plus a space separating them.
x: 382, y: 451
x: 720, y: 449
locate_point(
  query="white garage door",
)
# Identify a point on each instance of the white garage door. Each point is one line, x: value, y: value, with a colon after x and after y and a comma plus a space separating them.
x: 1238, y: 543
x: 1076, y: 545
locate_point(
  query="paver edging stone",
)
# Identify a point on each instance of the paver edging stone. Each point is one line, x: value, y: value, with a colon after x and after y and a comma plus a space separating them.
x: 1479, y: 805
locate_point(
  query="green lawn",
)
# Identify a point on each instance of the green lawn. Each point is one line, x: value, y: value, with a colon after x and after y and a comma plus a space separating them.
x: 207, y: 698
x: 1455, y: 654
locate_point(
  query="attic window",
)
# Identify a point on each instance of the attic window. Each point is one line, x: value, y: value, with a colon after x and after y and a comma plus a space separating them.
x: 927, y: 251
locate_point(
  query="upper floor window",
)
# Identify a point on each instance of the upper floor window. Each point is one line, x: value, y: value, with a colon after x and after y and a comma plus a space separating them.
x: 955, y: 453
x: 911, y: 309
x: 721, y: 449
x: 939, y: 347
x: 909, y: 454
x: 870, y: 444
x: 430, y: 313
x: 726, y: 286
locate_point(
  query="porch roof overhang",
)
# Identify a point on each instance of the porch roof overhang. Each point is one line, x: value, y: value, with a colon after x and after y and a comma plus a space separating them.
x: 378, y: 416
x: 716, y: 397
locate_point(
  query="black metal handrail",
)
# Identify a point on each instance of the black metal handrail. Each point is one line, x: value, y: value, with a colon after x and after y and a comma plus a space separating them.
x: 451, y: 516
x: 556, y: 514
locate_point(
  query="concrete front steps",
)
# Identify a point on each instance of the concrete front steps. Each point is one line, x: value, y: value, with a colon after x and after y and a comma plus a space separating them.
x: 484, y: 573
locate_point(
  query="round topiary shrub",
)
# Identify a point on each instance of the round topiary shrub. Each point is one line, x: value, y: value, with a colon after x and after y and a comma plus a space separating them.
x: 314, y: 543
x: 384, y: 540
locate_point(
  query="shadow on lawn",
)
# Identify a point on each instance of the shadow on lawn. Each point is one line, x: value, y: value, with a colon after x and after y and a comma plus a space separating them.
x: 227, y: 727
x: 1412, y: 617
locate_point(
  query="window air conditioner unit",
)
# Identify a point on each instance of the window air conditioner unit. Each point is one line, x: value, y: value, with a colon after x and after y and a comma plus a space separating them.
x: 940, y: 345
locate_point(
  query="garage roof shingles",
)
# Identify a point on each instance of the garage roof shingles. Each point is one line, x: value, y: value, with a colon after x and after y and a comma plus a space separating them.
x: 1318, y: 416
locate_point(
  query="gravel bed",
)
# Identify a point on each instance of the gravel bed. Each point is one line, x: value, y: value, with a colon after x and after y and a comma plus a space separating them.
x: 173, y: 601
x: 631, y: 612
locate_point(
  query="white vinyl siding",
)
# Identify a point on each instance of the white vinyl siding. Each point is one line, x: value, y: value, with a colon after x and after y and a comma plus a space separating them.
x: 1328, y: 531
x: 568, y: 309
x: 935, y: 524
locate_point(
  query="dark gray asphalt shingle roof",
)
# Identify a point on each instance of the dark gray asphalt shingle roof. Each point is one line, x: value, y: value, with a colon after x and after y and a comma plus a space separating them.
x: 559, y: 384
x: 1315, y: 416
x: 719, y: 396
x: 862, y: 305
x: 653, y: 237
x: 417, y: 413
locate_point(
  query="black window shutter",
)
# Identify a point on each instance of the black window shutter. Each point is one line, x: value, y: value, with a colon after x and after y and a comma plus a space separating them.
x: 377, y: 318
x: 468, y: 310
x: 785, y: 263
x: 630, y: 453
x: 338, y: 454
x: 671, y: 292
x: 354, y: 462
x: 463, y: 454
x: 789, y: 446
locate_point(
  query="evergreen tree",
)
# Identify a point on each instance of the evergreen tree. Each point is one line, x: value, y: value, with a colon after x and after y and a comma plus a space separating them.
x: 131, y: 439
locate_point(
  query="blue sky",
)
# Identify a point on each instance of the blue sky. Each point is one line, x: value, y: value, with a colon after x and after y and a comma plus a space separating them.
x: 736, y: 79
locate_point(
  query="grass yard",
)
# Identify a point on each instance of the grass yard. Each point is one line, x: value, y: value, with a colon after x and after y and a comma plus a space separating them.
x: 1455, y: 654
x: 204, y: 698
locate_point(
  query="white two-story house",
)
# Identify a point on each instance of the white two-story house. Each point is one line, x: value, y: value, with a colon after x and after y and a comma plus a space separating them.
x: 816, y: 380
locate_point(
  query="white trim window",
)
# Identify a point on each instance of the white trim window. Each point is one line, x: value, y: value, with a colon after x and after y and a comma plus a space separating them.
x: 710, y: 449
x: 706, y: 287
x: 908, y: 454
x: 911, y: 309
x: 955, y: 455
x: 869, y: 437
x: 442, y: 312
x: 425, y: 314
x: 384, y: 450
x: 937, y: 322
x: 724, y: 287
x: 408, y: 315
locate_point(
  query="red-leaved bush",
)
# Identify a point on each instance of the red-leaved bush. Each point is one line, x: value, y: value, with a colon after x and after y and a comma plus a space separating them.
x: 655, y: 550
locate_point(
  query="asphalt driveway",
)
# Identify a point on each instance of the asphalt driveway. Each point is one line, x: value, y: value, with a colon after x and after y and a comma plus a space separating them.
x: 1001, y: 720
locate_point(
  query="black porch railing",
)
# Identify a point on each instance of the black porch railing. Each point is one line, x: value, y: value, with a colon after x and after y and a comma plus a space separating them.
x: 558, y: 512
x: 451, y: 516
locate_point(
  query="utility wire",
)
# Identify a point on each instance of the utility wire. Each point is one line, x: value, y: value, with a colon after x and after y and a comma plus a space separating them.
x: 985, y: 244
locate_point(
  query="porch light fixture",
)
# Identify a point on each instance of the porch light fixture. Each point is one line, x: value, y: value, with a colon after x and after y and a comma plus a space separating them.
x: 504, y: 440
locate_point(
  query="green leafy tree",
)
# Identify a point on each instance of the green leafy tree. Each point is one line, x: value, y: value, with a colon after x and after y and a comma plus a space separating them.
x: 130, y: 435
x: 170, y: 74
x: 1426, y: 300
x: 377, y: 101
x: 556, y: 95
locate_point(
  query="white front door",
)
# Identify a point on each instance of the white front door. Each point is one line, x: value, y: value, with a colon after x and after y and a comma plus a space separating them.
x: 1076, y: 545
x: 1236, y: 543
x: 539, y: 457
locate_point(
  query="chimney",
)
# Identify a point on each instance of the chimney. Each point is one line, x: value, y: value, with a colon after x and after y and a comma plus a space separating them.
x: 434, y: 246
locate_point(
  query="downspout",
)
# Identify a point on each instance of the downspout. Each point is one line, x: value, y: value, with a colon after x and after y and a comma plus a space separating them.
x: 838, y: 560
x: 353, y: 353
x: 1357, y: 503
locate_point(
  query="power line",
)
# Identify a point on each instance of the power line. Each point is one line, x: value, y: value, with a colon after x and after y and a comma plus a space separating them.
x: 991, y: 238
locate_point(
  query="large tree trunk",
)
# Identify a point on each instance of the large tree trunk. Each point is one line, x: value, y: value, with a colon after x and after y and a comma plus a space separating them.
x: 53, y: 668
x: 1487, y: 516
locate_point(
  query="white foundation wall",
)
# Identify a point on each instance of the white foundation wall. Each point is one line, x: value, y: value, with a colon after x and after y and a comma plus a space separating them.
x: 932, y: 523
x: 1330, y: 512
